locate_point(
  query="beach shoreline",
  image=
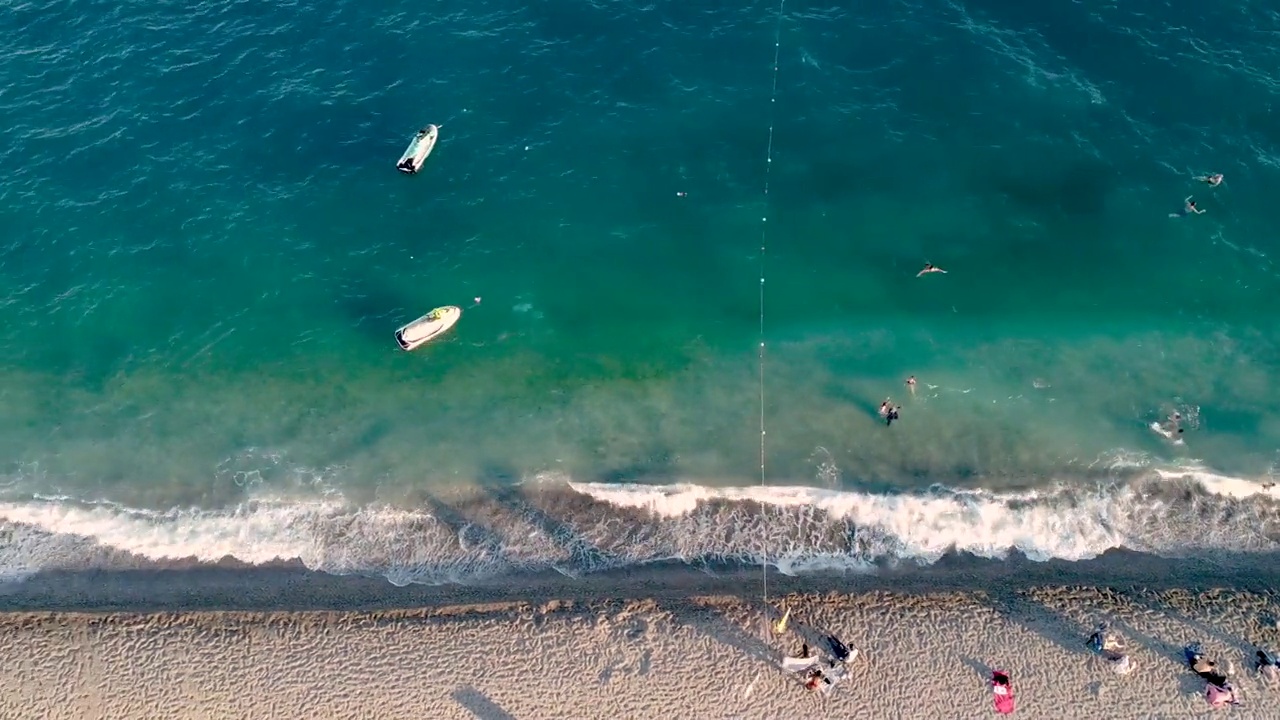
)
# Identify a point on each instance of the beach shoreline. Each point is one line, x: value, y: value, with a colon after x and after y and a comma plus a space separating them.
x: 280, y: 641
x: 288, y: 586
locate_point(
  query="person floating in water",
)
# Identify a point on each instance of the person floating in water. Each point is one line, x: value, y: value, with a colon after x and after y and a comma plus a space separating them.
x: 911, y: 384
x: 1213, y: 180
x: 1188, y: 208
x: 931, y: 268
x: 1174, y: 425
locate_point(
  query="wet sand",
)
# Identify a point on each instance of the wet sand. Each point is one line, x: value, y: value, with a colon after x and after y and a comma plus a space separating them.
x: 667, y: 642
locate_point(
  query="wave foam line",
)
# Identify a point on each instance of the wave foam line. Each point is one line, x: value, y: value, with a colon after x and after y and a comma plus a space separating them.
x: 579, y: 528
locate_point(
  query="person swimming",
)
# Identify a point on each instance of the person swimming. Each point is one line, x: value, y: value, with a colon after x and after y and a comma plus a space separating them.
x: 1213, y: 180
x: 911, y: 384
x: 1188, y: 208
x: 931, y: 268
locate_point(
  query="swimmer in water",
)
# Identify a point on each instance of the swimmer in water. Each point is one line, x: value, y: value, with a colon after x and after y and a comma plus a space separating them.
x: 1175, y: 424
x: 931, y: 268
x: 911, y: 384
x: 886, y: 407
x: 891, y: 415
x: 1213, y: 180
x: 1189, y: 207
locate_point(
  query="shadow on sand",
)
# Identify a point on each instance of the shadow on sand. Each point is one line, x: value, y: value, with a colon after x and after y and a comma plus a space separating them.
x: 480, y: 705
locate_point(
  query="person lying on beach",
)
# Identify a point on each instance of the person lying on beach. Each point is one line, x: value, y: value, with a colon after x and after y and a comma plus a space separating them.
x: 1213, y: 180
x: 930, y: 268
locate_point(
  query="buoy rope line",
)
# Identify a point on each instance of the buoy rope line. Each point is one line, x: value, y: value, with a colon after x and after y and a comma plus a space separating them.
x: 764, y: 235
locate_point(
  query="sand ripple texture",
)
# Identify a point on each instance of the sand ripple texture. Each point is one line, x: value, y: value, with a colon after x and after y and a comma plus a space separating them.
x: 925, y: 656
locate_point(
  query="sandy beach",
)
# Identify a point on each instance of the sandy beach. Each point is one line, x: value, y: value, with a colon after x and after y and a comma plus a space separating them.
x: 666, y: 640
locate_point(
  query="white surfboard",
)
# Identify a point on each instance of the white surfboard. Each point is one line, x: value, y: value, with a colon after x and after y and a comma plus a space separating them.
x: 419, y: 148
x: 428, y: 327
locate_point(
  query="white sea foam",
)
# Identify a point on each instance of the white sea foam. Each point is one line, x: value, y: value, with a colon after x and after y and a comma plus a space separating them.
x: 582, y: 527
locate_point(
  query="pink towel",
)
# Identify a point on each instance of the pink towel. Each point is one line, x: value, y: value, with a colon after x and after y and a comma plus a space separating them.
x: 1003, y: 694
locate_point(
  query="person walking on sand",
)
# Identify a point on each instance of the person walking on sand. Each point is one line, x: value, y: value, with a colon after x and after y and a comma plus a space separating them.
x: 931, y: 268
x: 1189, y: 207
x: 1213, y: 180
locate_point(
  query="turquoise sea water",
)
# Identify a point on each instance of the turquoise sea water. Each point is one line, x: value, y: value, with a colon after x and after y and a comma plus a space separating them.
x: 207, y: 250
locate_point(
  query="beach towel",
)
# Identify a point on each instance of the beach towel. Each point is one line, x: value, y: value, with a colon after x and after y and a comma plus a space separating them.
x: 1002, y: 692
x: 1120, y: 664
x: 798, y: 664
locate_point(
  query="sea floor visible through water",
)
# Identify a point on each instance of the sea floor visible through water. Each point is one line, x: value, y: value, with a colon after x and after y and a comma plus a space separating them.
x: 209, y: 250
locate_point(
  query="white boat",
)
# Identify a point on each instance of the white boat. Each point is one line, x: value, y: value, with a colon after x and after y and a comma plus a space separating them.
x: 428, y: 327
x: 419, y: 148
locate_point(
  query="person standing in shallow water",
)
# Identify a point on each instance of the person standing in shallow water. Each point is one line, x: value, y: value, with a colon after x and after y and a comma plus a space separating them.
x: 911, y: 385
x: 889, y: 412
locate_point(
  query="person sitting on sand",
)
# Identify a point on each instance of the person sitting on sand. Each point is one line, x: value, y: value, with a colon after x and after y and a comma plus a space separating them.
x: 816, y: 679
x: 931, y: 268
x: 1213, y: 180
x: 1220, y: 695
x: 839, y: 651
x: 1204, y: 667
x: 1101, y: 640
x: 1267, y: 667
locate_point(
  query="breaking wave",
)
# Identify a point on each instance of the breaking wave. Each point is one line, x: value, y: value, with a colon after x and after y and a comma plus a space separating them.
x: 576, y: 528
